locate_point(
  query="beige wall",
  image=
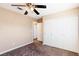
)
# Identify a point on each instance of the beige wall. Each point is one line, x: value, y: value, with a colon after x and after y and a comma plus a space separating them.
x: 15, y: 30
x: 61, y: 30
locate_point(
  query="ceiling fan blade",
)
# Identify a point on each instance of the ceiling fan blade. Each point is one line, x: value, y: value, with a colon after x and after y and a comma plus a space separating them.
x: 25, y: 13
x: 18, y: 5
x: 40, y: 6
x: 19, y: 8
x: 36, y: 11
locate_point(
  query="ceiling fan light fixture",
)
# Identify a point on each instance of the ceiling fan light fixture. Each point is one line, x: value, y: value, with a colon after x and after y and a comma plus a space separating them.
x: 31, y: 9
x: 30, y: 6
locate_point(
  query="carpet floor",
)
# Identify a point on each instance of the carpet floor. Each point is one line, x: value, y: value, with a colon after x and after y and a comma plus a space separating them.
x: 35, y: 49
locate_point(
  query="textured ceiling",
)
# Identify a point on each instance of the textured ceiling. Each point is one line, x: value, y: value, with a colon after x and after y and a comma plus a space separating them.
x: 51, y: 8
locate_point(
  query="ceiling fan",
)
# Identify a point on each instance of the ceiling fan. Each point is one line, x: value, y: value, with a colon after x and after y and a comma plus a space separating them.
x: 30, y: 6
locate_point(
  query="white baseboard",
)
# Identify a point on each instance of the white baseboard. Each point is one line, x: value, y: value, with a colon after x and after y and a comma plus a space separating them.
x: 14, y: 48
x: 60, y: 48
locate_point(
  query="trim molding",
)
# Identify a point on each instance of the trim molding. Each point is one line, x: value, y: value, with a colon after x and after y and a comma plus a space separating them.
x: 74, y: 11
x: 14, y: 48
x: 61, y: 48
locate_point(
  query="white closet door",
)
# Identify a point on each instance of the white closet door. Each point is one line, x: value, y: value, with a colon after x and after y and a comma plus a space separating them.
x: 62, y: 32
x: 39, y: 32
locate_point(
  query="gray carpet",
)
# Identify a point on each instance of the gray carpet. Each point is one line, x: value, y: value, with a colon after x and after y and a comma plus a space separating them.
x: 39, y: 50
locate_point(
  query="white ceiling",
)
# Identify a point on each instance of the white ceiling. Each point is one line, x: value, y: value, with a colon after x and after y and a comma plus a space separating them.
x: 51, y: 8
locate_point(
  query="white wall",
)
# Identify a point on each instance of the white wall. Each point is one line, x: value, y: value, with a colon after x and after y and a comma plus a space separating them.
x: 62, y: 31
x: 15, y: 30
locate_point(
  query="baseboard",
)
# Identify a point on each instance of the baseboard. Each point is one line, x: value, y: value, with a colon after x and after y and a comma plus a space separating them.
x: 14, y: 48
x: 61, y: 48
